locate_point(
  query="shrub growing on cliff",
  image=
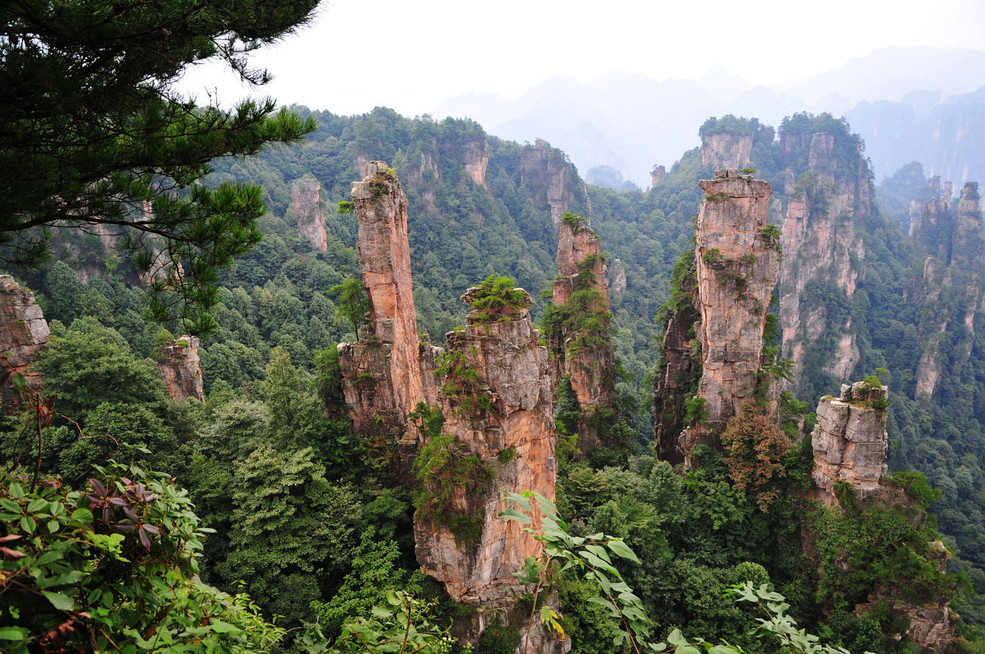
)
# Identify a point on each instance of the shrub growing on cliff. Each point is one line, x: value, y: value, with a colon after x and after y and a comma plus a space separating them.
x: 497, y: 297
x: 755, y: 449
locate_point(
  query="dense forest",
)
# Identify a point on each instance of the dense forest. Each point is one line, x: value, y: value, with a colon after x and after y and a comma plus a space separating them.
x: 305, y: 516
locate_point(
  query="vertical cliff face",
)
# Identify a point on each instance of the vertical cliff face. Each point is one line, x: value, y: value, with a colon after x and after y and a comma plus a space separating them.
x: 477, y: 160
x: 382, y: 375
x: 679, y: 367
x: 23, y: 332
x: 822, y: 252
x: 726, y: 150
x: 850, y: 440
x: 306, y: 203
x: 949, y: 287
x: 180, y: 369
x: 580, y: 345
x: 736, y: 269
x: 499, y: 433
x: 657, y: 175
x: 552, y: 180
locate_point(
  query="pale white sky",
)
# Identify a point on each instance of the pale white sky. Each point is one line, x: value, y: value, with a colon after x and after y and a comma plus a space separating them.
x: 411, y: 56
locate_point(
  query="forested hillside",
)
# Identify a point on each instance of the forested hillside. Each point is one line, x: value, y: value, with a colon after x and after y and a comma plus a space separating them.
x: 316, y: 523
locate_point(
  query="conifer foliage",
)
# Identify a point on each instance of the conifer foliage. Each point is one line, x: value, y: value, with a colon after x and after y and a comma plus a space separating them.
x: 93, y: 132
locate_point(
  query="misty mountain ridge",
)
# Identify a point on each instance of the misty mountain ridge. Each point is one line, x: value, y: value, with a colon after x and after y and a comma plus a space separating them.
x: 630, y: 122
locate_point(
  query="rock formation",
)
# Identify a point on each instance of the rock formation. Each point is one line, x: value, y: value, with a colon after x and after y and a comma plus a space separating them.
x: 180, y: 368
x: 850, y: 440
x: 498, y: 423
x: 477, y: 160
x: 657, y: 175
x: 954, y: 243
x: 822, y: 253
x: 619, y: 283
x: 726, y: 150
x: 736, y: 269
x: 553, y: 181
x: 306, y: 204
x: 23, y: 332
x: 580, y: 345
x: 382, y: 375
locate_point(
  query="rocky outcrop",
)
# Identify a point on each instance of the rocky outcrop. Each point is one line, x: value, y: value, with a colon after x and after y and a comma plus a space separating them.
x: 736, y: 269
x: 580, y: 345
x: 477, y: 160
x: 384, y: 376
x: 498, y: 422
x: 679, y: 368
x: 726, y: 150
x: 850, y: 440
x: 949, y: 286
x: 307, y: 207
x: 553, y: 181
x: 619, y: 282
x: 23, y: 333
x: 657, y: 175
x: 822, y: 252
x: 180, y: 368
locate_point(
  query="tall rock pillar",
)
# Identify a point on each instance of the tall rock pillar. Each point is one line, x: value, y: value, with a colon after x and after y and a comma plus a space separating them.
x: 306, y: 204
x: 737, y: 267
x: 382, y: 376
x: 180, y: 369
x: 498, y: 435
x: 23, y: 332
x: 579, y: 341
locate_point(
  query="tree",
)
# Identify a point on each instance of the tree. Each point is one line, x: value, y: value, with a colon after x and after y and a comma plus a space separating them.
x: 95, y: 134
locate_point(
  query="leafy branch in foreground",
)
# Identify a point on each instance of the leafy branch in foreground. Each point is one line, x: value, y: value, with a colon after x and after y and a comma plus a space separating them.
x: 591, y: 556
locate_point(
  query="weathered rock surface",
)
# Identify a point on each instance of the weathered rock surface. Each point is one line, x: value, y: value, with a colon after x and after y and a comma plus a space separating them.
x: 306, y: 203
x: 726, y: 150
x: 506, y: 406
x: 850, y: 440
x: 477, y: 160
x: 619, y: 282
x: 180, y: 368
x: 657, y: 175
x: 679, y: 373
x: 23, y: 332
x: 737, y: 267
x: 822, y: 253
x: 590, y: 368
x: 553, y: 181
x: 954, y: 244
x: 382, y: 375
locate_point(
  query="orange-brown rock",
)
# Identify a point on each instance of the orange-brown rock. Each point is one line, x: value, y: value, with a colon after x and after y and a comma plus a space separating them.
x: 23, y: 332
x: 382, y: 375
x: 737, y: 267
x: 552, y: 180
x: 821, y: 250
x: 581, y: 348
x: 498, y: 407
x: 477, y: 160
x: 726, y: 150
x: 307, y: 207
x: 180, y: 369
x: 657, y: 175
x: 850, y: 440
x: 679, y: 372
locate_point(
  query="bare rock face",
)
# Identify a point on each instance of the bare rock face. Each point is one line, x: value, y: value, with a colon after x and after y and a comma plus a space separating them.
x: 822, y: 253
x: 477, y: 160
x: 850, y: 440
x: 619, y: 283
x: 382, y: 375
x: 180, y: 369
x: 498, y: 408
x: 306, y: 203
x: 23, y: 332
x: 552, y: 180
x: 679, y: 373
x: 954, y: 244
x: 726, y: 150
x: 657, y: 175
x: 737, y: 267
x: 581, y: 349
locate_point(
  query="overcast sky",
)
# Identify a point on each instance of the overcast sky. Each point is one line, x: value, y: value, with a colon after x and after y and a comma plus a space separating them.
x: 411, y: 56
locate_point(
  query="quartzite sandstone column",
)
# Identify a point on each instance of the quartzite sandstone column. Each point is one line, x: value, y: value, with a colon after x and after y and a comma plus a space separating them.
x: 23, y: 332
x: 737, y: 267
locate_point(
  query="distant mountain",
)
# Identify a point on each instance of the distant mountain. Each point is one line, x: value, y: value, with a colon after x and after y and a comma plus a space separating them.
x: 631, y: 122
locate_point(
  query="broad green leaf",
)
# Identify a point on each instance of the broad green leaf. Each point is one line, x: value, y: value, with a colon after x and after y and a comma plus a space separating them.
x: 10, y: 505
x: 14, y: 633
x: 220, y: 627
x: 687, y: 649
x: 81, y: 515
x: 721, y: 649
x: 60, y: 601
x: 620, y: 548
x: 513, y: 514
x: 28, y: 524
x: 37, y: 504
x: 676, y: 638
x: 16, y: 491
x: 599, y: 552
